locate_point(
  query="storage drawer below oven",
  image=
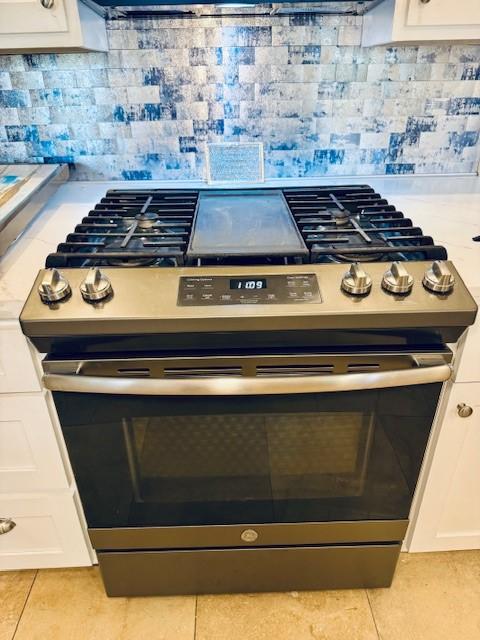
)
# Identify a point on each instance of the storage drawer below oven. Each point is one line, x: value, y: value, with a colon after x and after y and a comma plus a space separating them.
x: 148, y: 573
x: 267, y: 535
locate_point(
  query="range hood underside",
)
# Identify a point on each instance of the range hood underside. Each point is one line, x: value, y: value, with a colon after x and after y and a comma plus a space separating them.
x: 117, y: 9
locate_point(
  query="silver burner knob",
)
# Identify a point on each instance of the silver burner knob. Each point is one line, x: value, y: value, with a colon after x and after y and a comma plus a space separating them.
x: 356, y: 281
x: 397, y: 279
x: 54, y: 287
x: 96, y: 286
x: 438, y: 278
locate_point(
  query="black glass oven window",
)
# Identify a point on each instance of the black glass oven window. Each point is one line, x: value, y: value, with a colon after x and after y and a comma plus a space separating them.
x: 141, y: 461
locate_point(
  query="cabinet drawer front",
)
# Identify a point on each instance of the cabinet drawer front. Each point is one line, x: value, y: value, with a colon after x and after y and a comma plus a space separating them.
x: 29, y: 16
x: 439, y: 13
x: 47, y: 532
x: 17, y: 371
x: 30, y: 459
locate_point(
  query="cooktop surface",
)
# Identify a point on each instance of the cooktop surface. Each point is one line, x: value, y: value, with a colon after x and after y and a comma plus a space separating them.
x: 178, y: 227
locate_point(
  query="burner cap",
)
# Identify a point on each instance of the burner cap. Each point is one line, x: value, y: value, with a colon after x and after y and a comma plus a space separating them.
x: 146, y: 220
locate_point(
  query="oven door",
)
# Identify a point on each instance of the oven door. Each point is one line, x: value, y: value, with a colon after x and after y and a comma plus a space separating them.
x: 285, y: 453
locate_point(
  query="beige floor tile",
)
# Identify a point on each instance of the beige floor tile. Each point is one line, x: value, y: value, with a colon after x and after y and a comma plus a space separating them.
x: 434, y: 596
x: 70, y: 604
x: 14, y: 588
x: 312, y: 615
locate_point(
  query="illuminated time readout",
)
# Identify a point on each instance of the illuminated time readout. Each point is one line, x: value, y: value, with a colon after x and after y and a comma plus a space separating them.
x: 248, y: 283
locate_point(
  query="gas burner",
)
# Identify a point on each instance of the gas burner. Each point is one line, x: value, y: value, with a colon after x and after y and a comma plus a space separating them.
x: 146, y: 219
x: 339, y: 258
x: 353, y: 223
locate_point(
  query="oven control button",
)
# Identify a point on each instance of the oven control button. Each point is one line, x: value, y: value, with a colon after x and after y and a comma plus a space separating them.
x: 356, y: 281
x: 397, y: 279
x: 438, y: 278
x: 249, y: 535
x: 54, y: 287
x: 96, y: 286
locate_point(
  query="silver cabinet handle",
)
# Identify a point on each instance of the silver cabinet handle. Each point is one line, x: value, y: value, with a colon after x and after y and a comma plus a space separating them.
x: 6, y: 525
x: 47, y: 4
x: 463, y: 410
x: 246, y: 386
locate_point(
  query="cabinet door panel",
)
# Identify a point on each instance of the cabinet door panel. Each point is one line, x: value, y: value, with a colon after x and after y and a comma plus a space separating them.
x: 29, y: 16
x: 17, y: 370
x: 438, y: 13
x: 449, y: 512
x: 29, y: 454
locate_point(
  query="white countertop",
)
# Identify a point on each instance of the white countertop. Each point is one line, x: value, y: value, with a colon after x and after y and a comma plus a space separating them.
x: 447, y: 208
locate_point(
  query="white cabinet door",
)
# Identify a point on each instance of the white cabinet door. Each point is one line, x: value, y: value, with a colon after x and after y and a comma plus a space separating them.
x: 30, y: 458
x: 27, y: 25
x: 47, y: 532
x: 449, y: 509
x: 441, y: 12
x: 30, y: 16
x: 414, y: 21
x: 17, y: 370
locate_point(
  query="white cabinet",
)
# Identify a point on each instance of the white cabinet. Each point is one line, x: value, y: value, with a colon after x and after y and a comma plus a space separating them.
x: 37, y: 492
x: 448, y: 515
x: 50, y: 25
x: 446, y: 511
x: 31, y: 16
x: 29, y: 452
x: 46, y: 532
x: 417, y: 21
x: 17, y: 371
x: 440, y: 13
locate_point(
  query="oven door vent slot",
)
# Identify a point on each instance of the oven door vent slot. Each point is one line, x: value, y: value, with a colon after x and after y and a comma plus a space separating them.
x: 271, y: 371
x: 202, y: 372
x: 362, y: 367
x: 138, y: 372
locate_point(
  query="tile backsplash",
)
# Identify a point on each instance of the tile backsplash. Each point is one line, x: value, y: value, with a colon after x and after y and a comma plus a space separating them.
x: 302, y: 85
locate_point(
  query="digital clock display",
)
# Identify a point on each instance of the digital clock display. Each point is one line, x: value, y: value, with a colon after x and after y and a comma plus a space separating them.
x: 248, y: 283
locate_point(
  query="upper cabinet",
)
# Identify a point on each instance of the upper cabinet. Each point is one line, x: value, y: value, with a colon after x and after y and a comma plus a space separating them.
x: 50, y: 25
x: 422, y: 20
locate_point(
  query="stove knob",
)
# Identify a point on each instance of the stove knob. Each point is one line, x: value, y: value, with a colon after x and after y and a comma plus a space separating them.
x: 356, y: 281
x: 397, y: 279
x: 96, y: 286
x: 54, y: 287
x: 438, y: 278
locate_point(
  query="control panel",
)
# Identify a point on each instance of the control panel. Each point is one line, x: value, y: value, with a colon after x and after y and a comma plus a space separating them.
x: 265, y: 289
x: 94, y: 286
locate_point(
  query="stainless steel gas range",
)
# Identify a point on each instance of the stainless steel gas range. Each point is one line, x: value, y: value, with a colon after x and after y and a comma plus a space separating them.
x: 246, y: 382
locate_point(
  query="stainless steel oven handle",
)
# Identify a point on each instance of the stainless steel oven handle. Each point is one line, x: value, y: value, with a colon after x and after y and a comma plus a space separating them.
x: 246, y: 386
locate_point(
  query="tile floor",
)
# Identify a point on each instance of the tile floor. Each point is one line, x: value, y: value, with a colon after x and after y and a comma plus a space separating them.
x: 434, y: 597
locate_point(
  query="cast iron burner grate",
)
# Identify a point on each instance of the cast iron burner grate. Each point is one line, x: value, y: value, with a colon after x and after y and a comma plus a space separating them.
x: 152, y: 227
x: 130, y: 228
x: 355, y: 224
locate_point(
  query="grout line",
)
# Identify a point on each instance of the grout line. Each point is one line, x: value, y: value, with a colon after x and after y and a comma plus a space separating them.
x: 373, y: 615
x: 25, y: 604
x: 195, y: 620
